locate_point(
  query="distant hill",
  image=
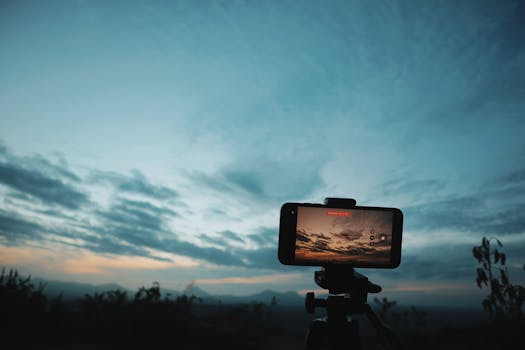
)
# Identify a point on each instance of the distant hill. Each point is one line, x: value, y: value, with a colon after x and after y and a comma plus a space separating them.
x: 286, y: 298
x: 75, y: 290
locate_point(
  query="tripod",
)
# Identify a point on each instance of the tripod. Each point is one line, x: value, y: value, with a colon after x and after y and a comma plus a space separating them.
x: 336, y: 330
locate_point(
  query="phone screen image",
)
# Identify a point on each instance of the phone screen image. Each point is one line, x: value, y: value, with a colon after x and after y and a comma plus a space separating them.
x: 343, y: 236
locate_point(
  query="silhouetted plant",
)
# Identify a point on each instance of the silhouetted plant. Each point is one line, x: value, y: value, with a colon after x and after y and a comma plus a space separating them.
x: 419, y: 316
x: 19, y: 291
x: 22, y: 306
x: 117, y: 297
x: 505, y: 299
x: 385, y: 307
x: 12, y: 283
x: 151, y: 294
x: 111, y: 320
x: 411, y: 318
x: 273, y: 304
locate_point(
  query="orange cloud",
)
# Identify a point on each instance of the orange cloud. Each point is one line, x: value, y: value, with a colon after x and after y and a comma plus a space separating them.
x: 76, y: 261
x: 90, y: 263
x: 16, y: 256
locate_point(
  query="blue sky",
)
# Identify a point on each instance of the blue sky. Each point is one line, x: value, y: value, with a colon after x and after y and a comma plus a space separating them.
x: 151, y: 141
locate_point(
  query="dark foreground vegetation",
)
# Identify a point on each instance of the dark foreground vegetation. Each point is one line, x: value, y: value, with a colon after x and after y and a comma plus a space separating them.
x: 114, y: 320
x: 30, y: 319
x: 149, y: 320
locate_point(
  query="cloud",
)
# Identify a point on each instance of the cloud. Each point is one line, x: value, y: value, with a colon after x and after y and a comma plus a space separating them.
x: 246, y: 180
x: 59, y: 169
x: 320, y: 245
x: 302, y: 236
x: 45, y: 187
x: 89, y: 263
x: 107, y: 244
x: 223, y: 238
x: 490, y: 207
x: 137, y: 183
x: 405, y: 184
x: 265, y: 179
x: 261, y: 258
x: 209, y: 254
x: 130, y: 227
x: 265, y: 236
x: 142, y: 227
x: 142, y: 216
x: 15, y: 228
x: 349, y: 234
x: 53, y: 258
x: 232, y: 236
x: 140, y: 224
x: 466, y: 213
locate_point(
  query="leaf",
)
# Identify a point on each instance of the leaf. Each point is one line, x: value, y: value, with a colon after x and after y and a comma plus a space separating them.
x: 487, y: 305
x: 496, y: 256
x: 486, y: 254
x: 477, y: 254
x: 504, y: 277
x: 481, y: 277
x: 503, y: 259
x: 495, y: 286
x: 512, y: 292
x: 520, y: 291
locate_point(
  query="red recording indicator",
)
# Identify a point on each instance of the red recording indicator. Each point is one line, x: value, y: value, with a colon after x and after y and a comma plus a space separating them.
x: 337, y: 213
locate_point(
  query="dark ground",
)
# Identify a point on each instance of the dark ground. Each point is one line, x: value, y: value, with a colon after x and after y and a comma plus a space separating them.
x: 115, y: 320
x: 248, y: 326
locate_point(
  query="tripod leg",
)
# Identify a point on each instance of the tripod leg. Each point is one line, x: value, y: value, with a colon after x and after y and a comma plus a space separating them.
x: 315, y: 335
x: 387, y: 336
x: 330, y: 335
x: 346, y: 336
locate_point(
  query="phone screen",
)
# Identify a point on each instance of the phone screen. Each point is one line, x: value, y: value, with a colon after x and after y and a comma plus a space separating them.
x: 352, y: 236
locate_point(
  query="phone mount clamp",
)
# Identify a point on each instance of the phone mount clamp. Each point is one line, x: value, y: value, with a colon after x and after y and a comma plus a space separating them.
x: 348, y: 291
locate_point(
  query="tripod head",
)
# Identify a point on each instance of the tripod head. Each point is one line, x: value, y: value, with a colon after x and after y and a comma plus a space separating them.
x: 336, y: 328
x: 342, y: 280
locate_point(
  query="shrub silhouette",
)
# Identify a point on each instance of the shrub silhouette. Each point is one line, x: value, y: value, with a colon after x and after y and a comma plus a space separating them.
x: 411, y: 319
x: 148, y: 295
x: 505, y: 299
x: 385, y: 306
x: 22, y: 305
x: 111, y: 319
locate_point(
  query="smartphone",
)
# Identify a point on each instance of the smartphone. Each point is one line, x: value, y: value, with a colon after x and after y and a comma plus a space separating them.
x: 320, y: 235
